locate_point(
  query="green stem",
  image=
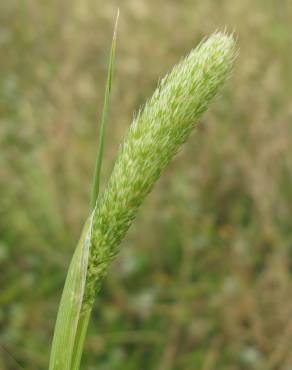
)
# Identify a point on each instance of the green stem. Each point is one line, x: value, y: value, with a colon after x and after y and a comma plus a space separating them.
x: 80, y: 339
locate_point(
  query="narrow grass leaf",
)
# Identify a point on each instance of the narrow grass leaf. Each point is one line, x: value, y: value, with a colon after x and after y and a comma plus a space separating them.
x: 72, y: 322
x: 68, y: 318
x: 104, y: 117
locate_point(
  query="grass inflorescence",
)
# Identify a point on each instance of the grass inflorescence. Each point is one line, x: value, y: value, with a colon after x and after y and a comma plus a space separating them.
x: 157, y: 133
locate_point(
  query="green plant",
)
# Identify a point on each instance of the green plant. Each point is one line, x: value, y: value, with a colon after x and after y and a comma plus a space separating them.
x: 156, y: 135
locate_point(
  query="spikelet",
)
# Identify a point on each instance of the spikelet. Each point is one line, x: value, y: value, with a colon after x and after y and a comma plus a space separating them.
x: 155, y: 136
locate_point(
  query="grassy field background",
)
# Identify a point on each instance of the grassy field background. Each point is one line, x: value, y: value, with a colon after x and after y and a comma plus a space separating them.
x: 204, y: 278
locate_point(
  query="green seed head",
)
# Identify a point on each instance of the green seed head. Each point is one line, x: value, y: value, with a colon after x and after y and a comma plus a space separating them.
x: 155, y: 136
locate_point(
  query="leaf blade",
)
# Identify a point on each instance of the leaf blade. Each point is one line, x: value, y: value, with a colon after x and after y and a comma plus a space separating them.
x: 104, y: 117
x: 72, y: 319
x: 70, y: 305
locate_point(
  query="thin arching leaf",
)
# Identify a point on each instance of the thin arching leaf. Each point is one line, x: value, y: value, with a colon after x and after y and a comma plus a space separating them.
x: 72, y: 319
x: 70, y: 305
x: 104, y: 118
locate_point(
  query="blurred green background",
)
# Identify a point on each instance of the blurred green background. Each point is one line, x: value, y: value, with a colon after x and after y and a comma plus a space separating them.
x: 203, y: 281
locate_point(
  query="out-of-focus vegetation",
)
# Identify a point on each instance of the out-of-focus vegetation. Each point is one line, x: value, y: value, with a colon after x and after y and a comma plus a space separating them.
x: 204, y: 277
